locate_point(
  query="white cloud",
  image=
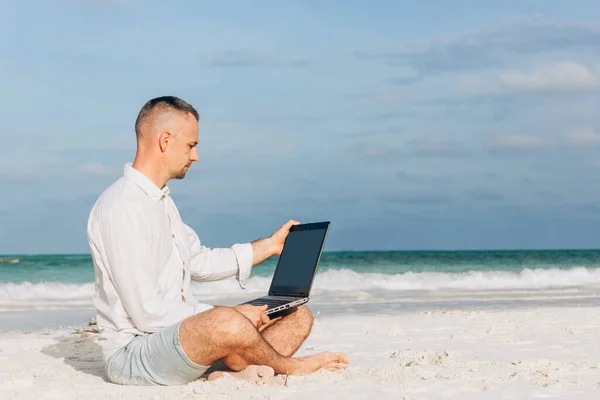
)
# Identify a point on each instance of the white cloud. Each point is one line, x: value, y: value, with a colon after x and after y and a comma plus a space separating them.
x: 582, y: 138
x: 434, y: 148
x: 96, y: 169
x: 497, y: 45
x: 19, y: 176
x: 517, y: 142
x: 559, y: 76
x: 375, y: 150
x: 412, y: 148
x: 575, y: 138
x: 475, y: 84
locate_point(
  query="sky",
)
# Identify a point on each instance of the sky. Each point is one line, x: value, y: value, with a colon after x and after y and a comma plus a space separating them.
x: 409, y: 125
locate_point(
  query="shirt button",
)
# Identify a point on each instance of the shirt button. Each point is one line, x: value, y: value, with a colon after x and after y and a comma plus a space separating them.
x: 173, y: 235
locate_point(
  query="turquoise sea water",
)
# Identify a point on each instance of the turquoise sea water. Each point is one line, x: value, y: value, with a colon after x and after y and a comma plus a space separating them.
x: 66, y: 282
x: 74, y: 268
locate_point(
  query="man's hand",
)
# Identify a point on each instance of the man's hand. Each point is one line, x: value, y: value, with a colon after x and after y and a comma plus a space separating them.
x: 255, y: 314
x: 273, y: 245
x: 278, y: 237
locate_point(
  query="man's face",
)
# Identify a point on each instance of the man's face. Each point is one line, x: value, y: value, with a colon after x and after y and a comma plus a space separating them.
x: 182, y: 151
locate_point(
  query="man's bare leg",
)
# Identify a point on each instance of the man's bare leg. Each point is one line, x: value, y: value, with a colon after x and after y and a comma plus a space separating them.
x: 225, y: 334
x: 285, y: 334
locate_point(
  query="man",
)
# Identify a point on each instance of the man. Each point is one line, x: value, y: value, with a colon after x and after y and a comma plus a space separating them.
x: 153, y: 330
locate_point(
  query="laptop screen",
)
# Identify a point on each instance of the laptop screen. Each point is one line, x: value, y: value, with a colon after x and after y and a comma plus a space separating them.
x: 299, y: 259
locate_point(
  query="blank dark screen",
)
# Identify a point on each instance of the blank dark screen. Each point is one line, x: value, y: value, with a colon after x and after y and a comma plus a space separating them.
x: 299, y: 258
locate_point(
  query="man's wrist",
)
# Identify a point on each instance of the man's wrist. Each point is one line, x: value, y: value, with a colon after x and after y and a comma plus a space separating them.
x: 271, y: 248
x: 262, y: 249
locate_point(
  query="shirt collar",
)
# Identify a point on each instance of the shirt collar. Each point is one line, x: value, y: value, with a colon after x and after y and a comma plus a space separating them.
x: 146, y: 184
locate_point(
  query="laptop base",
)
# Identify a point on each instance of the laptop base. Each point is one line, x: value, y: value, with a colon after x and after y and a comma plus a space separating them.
x: 278, y: 303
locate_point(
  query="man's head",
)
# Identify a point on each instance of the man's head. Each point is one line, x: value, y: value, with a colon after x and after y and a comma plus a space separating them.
x: 167, y: 135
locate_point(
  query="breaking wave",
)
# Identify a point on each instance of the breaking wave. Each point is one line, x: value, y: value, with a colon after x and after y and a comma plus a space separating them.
x: 68, y: 295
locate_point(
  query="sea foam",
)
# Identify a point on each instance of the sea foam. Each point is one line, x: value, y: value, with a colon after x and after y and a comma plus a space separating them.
x: 64, y: 295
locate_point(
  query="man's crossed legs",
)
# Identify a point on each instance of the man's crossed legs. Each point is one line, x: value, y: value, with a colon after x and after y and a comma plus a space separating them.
x: 223, y: 339
x: 225, y: 335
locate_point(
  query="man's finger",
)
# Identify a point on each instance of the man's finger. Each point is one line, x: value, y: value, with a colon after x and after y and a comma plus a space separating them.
x: 264, y: 318
x: 268, y: 324
x: 288, y: 224
x: 262, y: 309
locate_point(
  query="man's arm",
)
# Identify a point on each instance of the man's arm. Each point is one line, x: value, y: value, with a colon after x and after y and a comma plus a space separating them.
x: 214, y: 264
x: 135, y: 272
x: 262, y: 249
x: 221, y: 263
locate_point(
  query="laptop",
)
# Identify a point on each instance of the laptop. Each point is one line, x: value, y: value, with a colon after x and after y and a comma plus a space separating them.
x: 296, y: 267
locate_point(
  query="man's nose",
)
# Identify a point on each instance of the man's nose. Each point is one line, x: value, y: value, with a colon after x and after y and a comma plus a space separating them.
x: 194, y: 155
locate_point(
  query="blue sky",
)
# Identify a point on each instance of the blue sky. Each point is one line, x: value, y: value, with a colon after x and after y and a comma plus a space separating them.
x: 409, y: 125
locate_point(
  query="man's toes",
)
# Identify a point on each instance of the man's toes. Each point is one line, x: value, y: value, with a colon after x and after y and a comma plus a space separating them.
x: 265, y: 372
x: 335, y: 366
x: 258, y: 374
x: 215, y: 375
x: 343, y: 358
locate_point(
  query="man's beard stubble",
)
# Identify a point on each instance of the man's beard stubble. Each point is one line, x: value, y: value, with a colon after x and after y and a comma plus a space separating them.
x: 180, y: 174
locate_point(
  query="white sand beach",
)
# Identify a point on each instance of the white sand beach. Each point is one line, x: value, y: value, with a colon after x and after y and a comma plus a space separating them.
x: 443, y: 345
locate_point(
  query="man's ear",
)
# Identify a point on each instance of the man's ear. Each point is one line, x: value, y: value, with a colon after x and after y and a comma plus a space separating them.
x: 164, y: 140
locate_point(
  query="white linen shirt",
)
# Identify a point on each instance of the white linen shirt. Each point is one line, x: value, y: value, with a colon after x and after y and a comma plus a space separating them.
x: 144, y: 258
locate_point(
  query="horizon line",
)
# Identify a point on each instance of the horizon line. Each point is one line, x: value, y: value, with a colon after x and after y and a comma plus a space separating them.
x: 363, y: 251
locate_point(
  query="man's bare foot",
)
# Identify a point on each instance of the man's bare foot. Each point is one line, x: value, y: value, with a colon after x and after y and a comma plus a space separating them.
x: 326, y: 360
x: 257, y: 374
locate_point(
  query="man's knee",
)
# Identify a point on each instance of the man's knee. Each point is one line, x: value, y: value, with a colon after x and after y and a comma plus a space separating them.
x: 234, y: 326
x: 223, y: 324
x: 304, y: 317
x: 215, y: 334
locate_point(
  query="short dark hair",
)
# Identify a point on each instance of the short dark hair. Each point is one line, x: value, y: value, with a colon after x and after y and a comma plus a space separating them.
x: 163, y: 104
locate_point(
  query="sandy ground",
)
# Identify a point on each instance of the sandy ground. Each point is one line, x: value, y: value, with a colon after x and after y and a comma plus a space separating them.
x: 525, y: 351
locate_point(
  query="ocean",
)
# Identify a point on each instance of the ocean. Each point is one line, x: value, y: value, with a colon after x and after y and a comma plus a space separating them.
x: 54, y: 282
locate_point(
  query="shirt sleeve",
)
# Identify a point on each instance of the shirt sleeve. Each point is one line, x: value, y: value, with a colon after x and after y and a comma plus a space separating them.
x: 219, y: 263
x: 135, y: 272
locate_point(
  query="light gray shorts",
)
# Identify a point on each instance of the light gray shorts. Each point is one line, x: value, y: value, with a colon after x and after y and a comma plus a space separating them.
x: 154, y: 359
